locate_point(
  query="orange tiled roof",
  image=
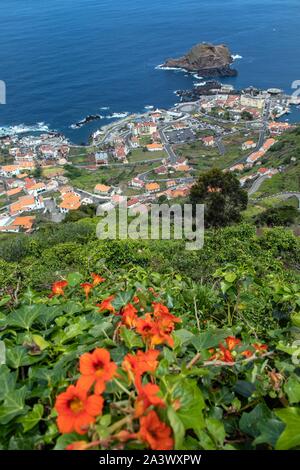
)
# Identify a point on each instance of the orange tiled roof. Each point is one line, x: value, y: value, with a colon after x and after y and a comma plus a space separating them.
x: 155, y: 146
x: 24, y: 222
x: 21, y: 204
x: 102, y: 188
x: 13, y: 191
x: 152, y: 187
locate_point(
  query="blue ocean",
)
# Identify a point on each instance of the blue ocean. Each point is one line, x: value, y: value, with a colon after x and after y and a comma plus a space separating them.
x: 62, y: 60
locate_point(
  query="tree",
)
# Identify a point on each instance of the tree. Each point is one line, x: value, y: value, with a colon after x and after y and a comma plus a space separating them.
x: 222, y: 195
x: 277, y: 216
x: 246, y: 116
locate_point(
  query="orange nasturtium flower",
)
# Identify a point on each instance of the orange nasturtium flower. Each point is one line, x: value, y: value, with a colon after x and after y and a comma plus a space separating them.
x: 232, y: 342
x: 97, y: 279
x: 106, y: 304
x: 58, y: 287
x: 129, y: 316
x: 76, y: 410
x: 155, y: 433
x: 222, y: 354
x: 260, y: 347
x: 87, y: 287
x: 96, y: 368
x: 148, y: 396
x: 247, y: 353
x: 140, y: 363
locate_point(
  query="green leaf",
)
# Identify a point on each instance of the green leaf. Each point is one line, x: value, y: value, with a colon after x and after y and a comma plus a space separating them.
x: 13, y: 405
x: 250, y: 422
x: 230, y: 277
x: 4, y: 300
x: 216, y: 430
x: 32, y: 418
x: 8, y: 381
x: 270, y: 432
x: 18, y: 356
x: 290, y: 437
x: 2, y: 353
x: 24, y: 317
x: 292, y: 389
x: 74, y: 279
x: 190, y: 399
x: 182, y: 336
x: 177, y: 426
x: 122, y: 299
x: 209, y: 339
x: 130, y: 338
x: 40, y: 342
x: 66, y: 439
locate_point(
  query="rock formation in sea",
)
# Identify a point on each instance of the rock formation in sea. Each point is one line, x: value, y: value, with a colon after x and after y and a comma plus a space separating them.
x: 207, y: 60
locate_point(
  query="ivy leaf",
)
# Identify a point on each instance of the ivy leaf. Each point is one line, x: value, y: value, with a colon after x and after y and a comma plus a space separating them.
x: 177, y: 426
x: 122, y: 299
x: 270, y: 432
x: 8, y: 381
x: 292, y: 389
x: 66, y: 439
x: 24, y: 316
x: 250, y: 422
x: 13, y: 405
x: 32, y: 418
x: 130, y: 338
x: 209, y: 339
x: 290, y: 437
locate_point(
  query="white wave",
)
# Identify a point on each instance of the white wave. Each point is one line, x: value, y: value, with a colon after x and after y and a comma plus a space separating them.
x: 237, y: 57
x: 149, y: 107
x: 105, y: 108
x: 199, y: 84
x: 178, y: 69
x: 24, y: 129
x: 197, y: 76
x: 118, y: 115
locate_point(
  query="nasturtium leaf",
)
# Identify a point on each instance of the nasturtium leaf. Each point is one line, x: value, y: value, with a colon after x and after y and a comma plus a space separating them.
x: 190, y: 400
x: 177, y: 426
x: 24, y: 317
x: 74, y: 279
x: 32, y: 418
x: 216, y: 429
x: 13, y: 405
x: 130, y: 338
x: 19, y: 356
x: 72, y: 307
x: 292, y: 389
x: 290, y: 437
x: 182, y: 337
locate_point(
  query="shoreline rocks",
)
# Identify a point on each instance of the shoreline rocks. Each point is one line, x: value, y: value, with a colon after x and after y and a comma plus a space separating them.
x: 207, y: 60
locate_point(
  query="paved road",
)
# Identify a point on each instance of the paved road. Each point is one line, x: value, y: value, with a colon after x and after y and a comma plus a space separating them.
x: 284, y: 195
x: 257, y: 183
x: 220, y: 145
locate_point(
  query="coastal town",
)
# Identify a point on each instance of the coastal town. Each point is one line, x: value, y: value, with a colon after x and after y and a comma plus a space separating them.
x: 154, y: 156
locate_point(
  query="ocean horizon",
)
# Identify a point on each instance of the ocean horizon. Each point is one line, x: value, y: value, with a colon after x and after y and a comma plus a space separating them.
x: 66, y: 59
